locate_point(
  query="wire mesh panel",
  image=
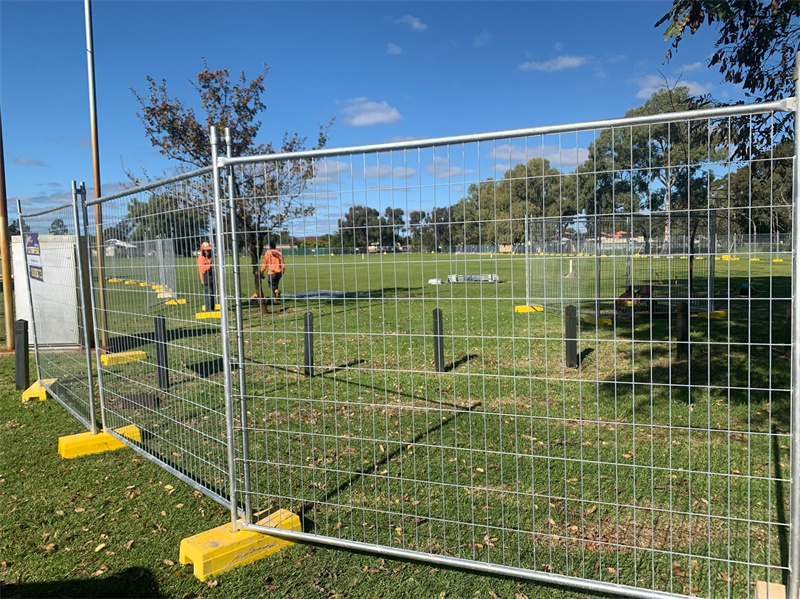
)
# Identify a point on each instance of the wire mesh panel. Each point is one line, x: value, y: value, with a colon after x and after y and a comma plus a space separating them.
x: 394, y: 395
x: 606, y: 265
x: 57, y: 309
x: 161, y: 369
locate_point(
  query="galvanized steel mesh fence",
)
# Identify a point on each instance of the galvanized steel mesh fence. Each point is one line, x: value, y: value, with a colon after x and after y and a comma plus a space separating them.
x: 58, y: 300
x: 161, y: 368
x: 399, y: 389
x: 647, y: 450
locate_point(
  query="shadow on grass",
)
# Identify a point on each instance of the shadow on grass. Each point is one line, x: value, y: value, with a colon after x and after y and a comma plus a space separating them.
x: 134, y: 340
x: 307, y: 509
x: 131, y: 582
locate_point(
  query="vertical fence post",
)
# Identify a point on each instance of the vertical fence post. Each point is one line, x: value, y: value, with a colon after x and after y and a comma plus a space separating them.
x: 85, y: 320
x: 30, y: 293
x: 225, y: 331
x: 571, y: 336
x: 794, y: 489
x: 308, y: 344
x: 162, y: 363
x: 22, y: 375
x: 438, y: 340
x: 237, y: 289
x: 99, y: 322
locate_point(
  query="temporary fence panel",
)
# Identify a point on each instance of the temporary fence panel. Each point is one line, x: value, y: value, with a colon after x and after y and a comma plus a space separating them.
x: 392, y: 386
x: 161, y: 370
x: 403, y: 414
x: 594, y: 262
x: 57, y: 306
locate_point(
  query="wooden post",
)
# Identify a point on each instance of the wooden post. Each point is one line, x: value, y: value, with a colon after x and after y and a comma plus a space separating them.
x: 438, y: 340
x: 571, y: 336
x: 308, y: 348
x: 22, y: 375
x: 162, y: 364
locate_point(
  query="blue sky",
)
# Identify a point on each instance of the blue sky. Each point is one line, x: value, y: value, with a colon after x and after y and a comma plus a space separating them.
x: 385, y: 71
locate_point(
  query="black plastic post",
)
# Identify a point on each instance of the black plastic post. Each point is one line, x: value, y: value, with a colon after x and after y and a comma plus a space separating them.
x: 571, y: 336
x: 682, y: 330
x: 21, y: 364
x: 162, y: 364
x: 438, y: 340
x: 308, y: 346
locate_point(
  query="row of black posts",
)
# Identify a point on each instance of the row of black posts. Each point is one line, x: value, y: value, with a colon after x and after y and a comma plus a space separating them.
x: 22, y: 377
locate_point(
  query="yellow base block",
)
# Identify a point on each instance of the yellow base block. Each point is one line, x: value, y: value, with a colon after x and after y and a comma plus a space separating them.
x: 131, y: 282
x: 528, y: 309
x: 175, y: 302
x: 122, y: 357
x: 777, y: 260
x: 593, y: 320
x: 219, y: 550
x: 86, y: 443
x: 770, y: 590
x: 755, y: 259
x: 716, y: 314
x: 144, y: 284
x: 164, y: 294
x: 204, y: 315
x: 115, y: 280
x: 203, y: 308
x: 37, y: 390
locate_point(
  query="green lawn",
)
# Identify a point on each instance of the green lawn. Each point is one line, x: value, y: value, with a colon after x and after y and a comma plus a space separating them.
x: 638, y: 468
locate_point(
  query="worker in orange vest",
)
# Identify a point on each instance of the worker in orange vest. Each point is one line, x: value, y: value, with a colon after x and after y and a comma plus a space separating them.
x: 205, y: 266
x: 274, y: 267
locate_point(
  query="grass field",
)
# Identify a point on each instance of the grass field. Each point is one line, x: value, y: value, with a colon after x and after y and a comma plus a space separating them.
x: 638, y: 468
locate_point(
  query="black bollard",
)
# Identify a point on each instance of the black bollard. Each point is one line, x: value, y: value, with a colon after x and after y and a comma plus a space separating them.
x: 571, y: 336
x: 438, y: 340
x: 162, y: 364
x: 21, y: 363
x: 682, y: 330
x: 308, y: 346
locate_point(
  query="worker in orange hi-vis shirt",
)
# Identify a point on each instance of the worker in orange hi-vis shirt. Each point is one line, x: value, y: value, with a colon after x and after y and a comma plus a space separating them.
x: 205, y: 266
x: 274, y: 267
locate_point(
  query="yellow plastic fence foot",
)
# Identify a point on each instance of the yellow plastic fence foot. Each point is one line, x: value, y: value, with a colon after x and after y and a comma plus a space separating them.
x: 86, y: 443
x: 123, y: 357
x: 219, y: 550
x: 175, y: 302
x: 770, y: 590
x: 204, y: 315
x: 37, y: 390
x: 715, y: 315
x: 203, y: 308
x: 528, y: 309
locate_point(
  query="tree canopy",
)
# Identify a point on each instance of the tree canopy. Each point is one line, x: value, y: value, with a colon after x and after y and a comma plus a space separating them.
x: 265, y: 196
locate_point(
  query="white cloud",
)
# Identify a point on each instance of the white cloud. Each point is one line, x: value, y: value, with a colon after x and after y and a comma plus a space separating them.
x: 652, y: 83
x: 384, y: 170
x: 482, y: 39
x: 412, y: 22
x: 393, y: 49
x: 694, y: 66
x: 22, y: 161
x: 441, y: 168
x: 565, y: 159
x: 558, y: 46
x: 559, y: 63
x: 361, y: 112
x: 330, y: 171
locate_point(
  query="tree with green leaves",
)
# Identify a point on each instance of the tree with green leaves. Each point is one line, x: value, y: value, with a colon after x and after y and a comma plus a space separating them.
x: 755, y: 47
x: 358, y: 228
x: 58, y: 227
x: 266, y: 194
